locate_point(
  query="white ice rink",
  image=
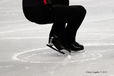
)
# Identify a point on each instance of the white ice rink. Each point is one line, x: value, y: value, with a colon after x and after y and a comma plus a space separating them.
x: 23, y: 51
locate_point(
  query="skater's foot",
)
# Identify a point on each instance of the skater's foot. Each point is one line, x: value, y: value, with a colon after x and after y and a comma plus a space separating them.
x: 61, y: 44
x: 55, y: 41
x: 73, y: 46
x: 76, y: 44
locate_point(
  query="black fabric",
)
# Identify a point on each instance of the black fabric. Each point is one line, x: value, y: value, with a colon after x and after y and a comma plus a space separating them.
x: 32, y: 3
x: 73, y: 16
x: 66, y: 19
x: 60, y: 2
x: 37, y: 11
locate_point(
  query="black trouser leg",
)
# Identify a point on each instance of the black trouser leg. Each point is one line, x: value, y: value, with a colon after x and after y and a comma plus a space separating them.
x: 72, y: 15
x: 74, y: 23
x: 59, y: 16
x: 58, y: 28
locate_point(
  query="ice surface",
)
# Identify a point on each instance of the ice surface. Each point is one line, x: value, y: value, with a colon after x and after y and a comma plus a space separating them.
x: 23, y: 51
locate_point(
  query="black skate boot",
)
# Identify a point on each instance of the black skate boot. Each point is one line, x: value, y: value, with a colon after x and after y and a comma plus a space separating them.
x: 55, y: 44
x: 73, y: 46
x: 79, y: 46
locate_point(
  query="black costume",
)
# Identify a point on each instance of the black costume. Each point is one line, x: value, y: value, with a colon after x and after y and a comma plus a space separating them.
x: 66, y: 19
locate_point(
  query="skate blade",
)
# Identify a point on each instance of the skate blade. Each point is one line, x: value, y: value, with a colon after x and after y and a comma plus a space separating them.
x: 78, y: 51
x: 51, y: 46
x: 66, y: 51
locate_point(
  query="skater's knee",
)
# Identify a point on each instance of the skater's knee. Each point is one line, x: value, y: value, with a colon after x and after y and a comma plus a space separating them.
x: 83, y: 10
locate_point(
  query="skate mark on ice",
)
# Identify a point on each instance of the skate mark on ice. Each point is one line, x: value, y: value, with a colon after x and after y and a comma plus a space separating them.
x: 47, y: 55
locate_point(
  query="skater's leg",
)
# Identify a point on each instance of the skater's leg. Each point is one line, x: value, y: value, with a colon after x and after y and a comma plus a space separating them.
x: 56, y: 33
x: 73, y: 15
x: 74, y: 23
x: 58, y: 28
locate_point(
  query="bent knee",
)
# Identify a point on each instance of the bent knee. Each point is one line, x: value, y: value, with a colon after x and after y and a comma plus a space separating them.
x: 82, y: 9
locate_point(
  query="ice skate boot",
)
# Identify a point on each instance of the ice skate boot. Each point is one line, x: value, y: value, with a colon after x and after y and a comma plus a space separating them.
x: 79, y: 46
x: 61, y: 45
x: 55, y: 44
x: 72, y: 46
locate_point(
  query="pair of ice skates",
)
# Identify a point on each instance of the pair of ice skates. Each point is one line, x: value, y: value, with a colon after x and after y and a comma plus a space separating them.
x: 58, y: 45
